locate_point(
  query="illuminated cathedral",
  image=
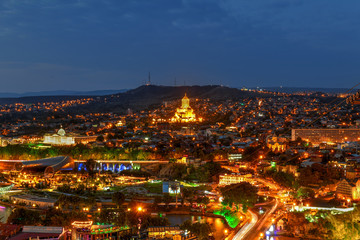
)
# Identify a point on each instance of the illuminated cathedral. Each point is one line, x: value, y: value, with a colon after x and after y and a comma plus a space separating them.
x: 185, y: 113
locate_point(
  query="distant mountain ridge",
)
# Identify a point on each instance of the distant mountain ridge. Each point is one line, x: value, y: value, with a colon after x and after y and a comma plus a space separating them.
x: 112, y: 92
x: 305, y: 89
x: 61, y: 93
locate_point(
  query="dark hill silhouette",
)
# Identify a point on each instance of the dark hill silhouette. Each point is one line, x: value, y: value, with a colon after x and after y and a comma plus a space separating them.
x: 143, y: 97
x: 156, y: 94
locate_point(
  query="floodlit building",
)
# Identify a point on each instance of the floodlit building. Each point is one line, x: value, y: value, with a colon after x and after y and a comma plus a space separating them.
x: 185, y: 113
x: 35, y: 232
x: 276, y: 144
x: 349, y: 189
x: 164, y: 232
x: 33, y: 201
x: 234, y: 157
x: 325, y: 135
x: 62, y: 138
x: 227, y: 179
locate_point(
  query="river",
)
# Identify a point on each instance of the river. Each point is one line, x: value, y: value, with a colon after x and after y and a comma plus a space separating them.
x: 216, y: 224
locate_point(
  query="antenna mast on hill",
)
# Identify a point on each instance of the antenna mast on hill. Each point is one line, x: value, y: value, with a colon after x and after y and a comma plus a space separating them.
x: 175, y: 82
x: 149, y: 80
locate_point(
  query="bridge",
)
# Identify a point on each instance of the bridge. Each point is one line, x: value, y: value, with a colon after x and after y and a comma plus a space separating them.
x: 116, y: 166
x: 51, y: 165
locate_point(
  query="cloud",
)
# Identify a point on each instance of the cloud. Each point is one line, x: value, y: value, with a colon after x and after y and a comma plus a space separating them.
x: 42, y: 15
x: 183, y: 23
x: 302, y: 20
x: 22, y: 76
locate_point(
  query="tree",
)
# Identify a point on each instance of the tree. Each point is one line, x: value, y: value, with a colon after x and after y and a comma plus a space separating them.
x: 344, y: 226
x: 188, y: 194
x: 204, y: 201
x: 100, y: 138
x: 22, y: 216
x: 185, y: 193
x: 304, y: 193
x: 174, y: 187
x: 55, y: 217
x: 157, y: 200
x: 282, y: 178
x: 201, y: 230
x: 110, y: 216
x: 118, y: 198
x: 148, y: 221
x: 90, y: 166
x: 242, y: 193
x: 167, y: 199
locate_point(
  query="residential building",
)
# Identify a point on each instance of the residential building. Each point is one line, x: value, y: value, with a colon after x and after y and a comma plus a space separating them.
x: 321, y: 135
x: 349, y: 189
x: 227, y: 179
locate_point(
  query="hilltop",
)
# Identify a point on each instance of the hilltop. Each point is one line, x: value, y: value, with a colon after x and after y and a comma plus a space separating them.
x: 142, y: 97
x: 153, y: 94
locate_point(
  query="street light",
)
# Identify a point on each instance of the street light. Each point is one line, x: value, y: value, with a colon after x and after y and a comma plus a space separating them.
x: 139, y: 224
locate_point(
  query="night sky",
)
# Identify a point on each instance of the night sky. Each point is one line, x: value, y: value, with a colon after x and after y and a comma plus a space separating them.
x: 113, y: 44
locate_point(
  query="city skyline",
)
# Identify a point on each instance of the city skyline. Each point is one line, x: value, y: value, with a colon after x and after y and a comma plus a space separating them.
x: 89, y: 45
x: 181, y: 119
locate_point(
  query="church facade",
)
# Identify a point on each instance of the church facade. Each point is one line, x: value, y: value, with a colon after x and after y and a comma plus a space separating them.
x: 185, y: 113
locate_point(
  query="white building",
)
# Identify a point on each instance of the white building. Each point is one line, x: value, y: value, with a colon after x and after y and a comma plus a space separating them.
x: 227, y: 179
x: 61, y: 138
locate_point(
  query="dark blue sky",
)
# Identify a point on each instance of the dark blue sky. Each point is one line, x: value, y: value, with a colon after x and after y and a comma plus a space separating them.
x: 112, y: 44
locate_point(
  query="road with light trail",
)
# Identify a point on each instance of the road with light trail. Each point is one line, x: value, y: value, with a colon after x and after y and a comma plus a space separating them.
x: 253, y: 229
x: 247, y: 227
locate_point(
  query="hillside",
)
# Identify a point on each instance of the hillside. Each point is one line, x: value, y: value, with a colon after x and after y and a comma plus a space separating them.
x: 141, y: 97
x: 146, y: 95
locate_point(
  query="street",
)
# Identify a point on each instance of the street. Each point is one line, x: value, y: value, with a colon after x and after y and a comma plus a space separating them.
x: 256, y: 226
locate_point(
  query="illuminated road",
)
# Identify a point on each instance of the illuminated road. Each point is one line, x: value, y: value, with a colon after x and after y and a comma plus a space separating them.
x: 268, y: 183
x: 247, y: 227
x: 262, y: 224
x: 252, y: 229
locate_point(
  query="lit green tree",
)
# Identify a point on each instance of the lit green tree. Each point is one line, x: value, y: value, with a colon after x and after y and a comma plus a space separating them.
x: 242, y: 193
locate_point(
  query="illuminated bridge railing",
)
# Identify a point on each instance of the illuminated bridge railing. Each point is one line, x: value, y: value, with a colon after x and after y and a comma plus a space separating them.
x: 298, y: 208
